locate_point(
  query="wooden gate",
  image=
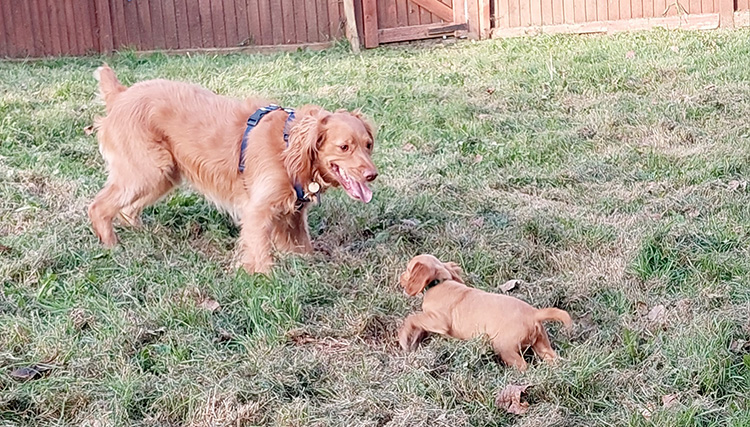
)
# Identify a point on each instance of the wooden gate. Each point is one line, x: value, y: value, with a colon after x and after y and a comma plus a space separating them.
x: 386, y: 21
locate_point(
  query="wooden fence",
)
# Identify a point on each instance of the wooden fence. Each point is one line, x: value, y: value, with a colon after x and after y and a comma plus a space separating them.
x: 39, y: 28
x: 514, y: 17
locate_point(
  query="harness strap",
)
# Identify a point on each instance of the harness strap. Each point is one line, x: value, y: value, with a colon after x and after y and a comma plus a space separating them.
x: 252, y: 122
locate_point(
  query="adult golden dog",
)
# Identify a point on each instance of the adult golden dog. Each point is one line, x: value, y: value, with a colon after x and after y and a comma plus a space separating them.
x: 159, y: 132
x: 452, y: 308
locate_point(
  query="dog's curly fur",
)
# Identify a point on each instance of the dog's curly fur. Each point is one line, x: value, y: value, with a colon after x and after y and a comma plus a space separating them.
x: 158, y: 132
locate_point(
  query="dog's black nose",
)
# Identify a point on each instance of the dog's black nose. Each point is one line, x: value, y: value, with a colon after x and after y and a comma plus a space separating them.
x: 370, y: 175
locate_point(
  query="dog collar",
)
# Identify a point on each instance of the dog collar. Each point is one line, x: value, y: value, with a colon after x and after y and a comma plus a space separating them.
x: 433, y: 284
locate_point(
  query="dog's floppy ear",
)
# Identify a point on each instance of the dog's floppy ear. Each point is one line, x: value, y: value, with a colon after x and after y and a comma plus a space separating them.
x: 368, y: 125
x: 417, y: 278
x: 305, y: 138
x: 455, y: 271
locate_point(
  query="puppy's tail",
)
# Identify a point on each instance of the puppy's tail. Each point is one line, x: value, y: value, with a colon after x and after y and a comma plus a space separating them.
x: 109, y: 86
x: 550, y: 314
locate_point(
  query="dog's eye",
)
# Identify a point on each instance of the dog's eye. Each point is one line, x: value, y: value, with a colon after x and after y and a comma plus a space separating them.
x: 369, y: 145
x: 344, y: 147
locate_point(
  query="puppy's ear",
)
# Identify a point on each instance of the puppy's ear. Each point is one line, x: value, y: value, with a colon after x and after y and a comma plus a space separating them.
x: 305, y: 138
x: 417, y: 278
x: 455, y: 271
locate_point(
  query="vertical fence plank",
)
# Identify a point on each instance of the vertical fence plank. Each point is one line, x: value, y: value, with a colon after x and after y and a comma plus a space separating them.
x: 144, y: 24
x: 70, y: 27
x: 5, y: 29
x: 726, y: 13
x: 22, y: 36
x: 287, y: 19
x: 568, y: 12
x: 301, y: 15
x: 104, y: 25
x: 402, y: 19
x: 613, y: 10
x: 40, y: 33
x: 625, y: 11
x: 159, y: 27
x: 323, y: 24
x: 132, y: 23
x: 602, y: 11
x: 188, y: 24
x: 334, y: 18
x: 264, y: 8
x: 243, y: 28
x: 514, y: 17
x: 370, y: 23
x: 119, y: 33
x: 84, y: 25
x: 524, y: 14
x: 254, y: 22
x: 557, y: 12
x: 171, y: 28
x: 217, y: 22
x: 277, y: 23
x: 312, y: 21
x: 547, y: 18
x: 648, y: 8
x: 536, y: 12
x: 579, y: 10
x: 207, y: 28
x: 230, y: 22
x: 590, y: 13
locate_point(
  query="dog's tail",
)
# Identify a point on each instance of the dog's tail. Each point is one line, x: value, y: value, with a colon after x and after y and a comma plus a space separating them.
x: 548, y: 314
x: 109, y: 86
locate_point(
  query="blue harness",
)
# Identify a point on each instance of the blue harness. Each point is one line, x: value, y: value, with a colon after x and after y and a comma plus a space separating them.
x: 252, y: 122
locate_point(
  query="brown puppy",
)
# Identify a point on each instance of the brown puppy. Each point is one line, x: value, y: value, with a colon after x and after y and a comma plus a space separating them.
x: 452, y: 308
x: 158, y: 132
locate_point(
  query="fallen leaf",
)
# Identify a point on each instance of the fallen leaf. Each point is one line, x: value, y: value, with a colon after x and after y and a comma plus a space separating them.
x: 477, y: 222
x: 733, y: 185
x: 509, y: 399
x: 32, y: 372
x: 648, y: 410
x: 641, y: 308
x: 478, y: 158
x: 209, y: 304
x: 408, y: 147
x: 630, y: 54
x: 657, y: 314
x: 670, y: 400
x: 692, y: 212
x: 510, y: 284
x: 88, y: 130
x: 4, y: 249
x: 490, y: 90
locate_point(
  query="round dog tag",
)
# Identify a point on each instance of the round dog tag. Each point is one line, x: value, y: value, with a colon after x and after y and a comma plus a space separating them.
x: 313, y: 188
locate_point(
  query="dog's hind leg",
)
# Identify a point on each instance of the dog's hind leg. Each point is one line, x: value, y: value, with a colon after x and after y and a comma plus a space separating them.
x: 131, y: 214
x: 510, y: 354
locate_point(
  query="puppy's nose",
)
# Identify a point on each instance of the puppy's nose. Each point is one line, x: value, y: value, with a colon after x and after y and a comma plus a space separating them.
x: 370, y: 175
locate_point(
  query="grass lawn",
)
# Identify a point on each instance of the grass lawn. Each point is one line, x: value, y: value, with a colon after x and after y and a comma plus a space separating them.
x: 608, y: 173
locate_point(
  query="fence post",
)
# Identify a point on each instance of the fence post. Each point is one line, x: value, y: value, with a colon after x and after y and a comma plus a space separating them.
x: 351, y: 25
x: 726, y: 13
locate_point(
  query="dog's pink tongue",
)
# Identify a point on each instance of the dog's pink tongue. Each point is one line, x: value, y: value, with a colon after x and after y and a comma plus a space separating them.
x: 360, y: 191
